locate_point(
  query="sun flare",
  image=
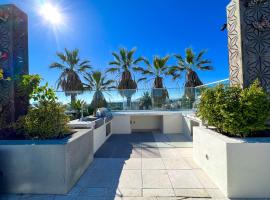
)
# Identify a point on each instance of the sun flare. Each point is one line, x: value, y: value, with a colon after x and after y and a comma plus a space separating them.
x: 51, y: 14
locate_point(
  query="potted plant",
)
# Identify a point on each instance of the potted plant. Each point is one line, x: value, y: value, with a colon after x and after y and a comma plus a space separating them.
x: 50, y: 158
x: 234, y: 146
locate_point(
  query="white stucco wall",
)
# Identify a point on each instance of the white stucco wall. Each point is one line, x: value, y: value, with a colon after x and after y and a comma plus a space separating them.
x: 100, y: 137
x: 121, y: 124
x: 172, y: 123
x: 146, y: 122
x: 239, y: 167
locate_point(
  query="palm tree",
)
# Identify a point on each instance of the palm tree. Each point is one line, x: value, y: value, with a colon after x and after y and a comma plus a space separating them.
x: 145, y: 101
x: 98, y: 82
x: 123, y: 64
x: 72, y: 67
x: 158, y: 70
x: 189, y: 65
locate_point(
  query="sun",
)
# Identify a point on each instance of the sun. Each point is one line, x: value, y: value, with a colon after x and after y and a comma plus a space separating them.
x: 51, y: 14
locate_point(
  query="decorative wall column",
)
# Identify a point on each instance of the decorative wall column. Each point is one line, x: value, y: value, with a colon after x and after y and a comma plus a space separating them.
x: 13, y: 59
x: 249, y: 42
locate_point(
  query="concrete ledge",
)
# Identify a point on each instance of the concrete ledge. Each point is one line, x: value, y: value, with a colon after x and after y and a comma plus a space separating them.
x: 44, y: 167
x: 239, y: 167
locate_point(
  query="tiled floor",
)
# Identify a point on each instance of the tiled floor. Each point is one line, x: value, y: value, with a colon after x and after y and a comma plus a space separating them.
x: 140, y: 167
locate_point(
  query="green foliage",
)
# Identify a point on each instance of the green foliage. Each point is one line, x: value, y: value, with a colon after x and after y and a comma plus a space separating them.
x: 43, y: 94
x: 145, y: 101
x: 235, y: 111
x: 28, y: 83
x: 1, y: 74
x: 71, y: 67
x: 98, y: 82
x: 77, y: 106
x: 46, y: 120
x: 188, y: 64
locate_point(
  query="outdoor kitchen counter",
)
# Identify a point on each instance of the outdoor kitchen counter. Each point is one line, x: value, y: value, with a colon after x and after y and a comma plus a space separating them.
x: 148, y: 113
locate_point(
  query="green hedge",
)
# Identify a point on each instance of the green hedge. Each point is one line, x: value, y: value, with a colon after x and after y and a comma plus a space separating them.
x: 235, y: 111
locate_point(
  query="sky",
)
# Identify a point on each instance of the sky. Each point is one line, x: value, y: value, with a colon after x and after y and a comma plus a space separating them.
x: 155, y: 27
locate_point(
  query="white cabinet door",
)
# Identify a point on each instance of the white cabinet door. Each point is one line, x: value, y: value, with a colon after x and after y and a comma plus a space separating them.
x: 172, y: 123
x: 121, y: 124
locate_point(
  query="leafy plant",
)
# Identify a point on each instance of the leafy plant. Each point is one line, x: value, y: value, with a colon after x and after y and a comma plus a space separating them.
x: 72, y: 67
x: 77, y: 106
x: 46, y: 120
x: 1, y: 74
x: 235, y: 111
x: 98, y: 82
x: 145, y: 101
x: 123, y: 64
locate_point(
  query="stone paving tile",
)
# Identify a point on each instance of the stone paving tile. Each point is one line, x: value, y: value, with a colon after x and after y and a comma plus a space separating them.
x: 37, y: 197
x: 94, y: 192
x: 175, y: 163
x: 135, y: 198
x: 184, y: 179
x: 191, y: 163
x: 154, y: 179
x: 168, y: 153
x: 158, y: 193
x: 139, y: 167
x: 215, y: 193
x: 126, y: 192
x: 191, y: 193
x: 204, y: 179
x: 152, y: 163
x: 130, y: 179
x: 150, y: 153
x: 132, y: 163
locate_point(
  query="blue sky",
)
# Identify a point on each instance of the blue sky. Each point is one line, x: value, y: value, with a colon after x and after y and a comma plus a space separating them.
x: 155, y: 27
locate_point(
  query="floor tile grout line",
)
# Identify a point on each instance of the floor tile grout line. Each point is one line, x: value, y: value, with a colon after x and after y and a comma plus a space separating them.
x: 169, y: 178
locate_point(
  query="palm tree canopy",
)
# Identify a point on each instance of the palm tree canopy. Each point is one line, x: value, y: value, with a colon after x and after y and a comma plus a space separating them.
x: 125, y: 61
x: 157, y: 70
x: 98, y: 81
x: 72, y: 67
x: 191, y: 62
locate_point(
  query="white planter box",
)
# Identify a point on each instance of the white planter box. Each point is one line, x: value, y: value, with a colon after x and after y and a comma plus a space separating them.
x: 44, y: 167
x: 239, y: 167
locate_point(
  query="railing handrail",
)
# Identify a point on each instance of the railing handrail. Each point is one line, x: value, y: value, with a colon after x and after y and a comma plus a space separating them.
x: 212, y: 83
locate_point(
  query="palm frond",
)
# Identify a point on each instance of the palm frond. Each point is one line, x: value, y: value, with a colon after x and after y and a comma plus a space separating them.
x: 200, y: 55
x: 57, y: 65
x: 113, y: 70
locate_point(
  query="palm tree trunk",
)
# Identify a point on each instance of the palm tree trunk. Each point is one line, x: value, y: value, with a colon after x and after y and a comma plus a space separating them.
x: 129, y: 102
x: 73, y: 97
x: 192, y: 81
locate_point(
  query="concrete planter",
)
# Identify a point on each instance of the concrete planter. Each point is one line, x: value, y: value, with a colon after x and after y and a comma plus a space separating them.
x: 44, y: 167
x: 239, y: 167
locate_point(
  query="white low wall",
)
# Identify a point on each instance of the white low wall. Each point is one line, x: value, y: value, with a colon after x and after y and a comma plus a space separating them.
x: 170, y: 121
x: 100, y: 136
x: 239, y: 167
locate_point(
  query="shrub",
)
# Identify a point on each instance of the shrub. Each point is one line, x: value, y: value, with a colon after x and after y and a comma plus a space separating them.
x: 235, y: 111
x: 46, y: 120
